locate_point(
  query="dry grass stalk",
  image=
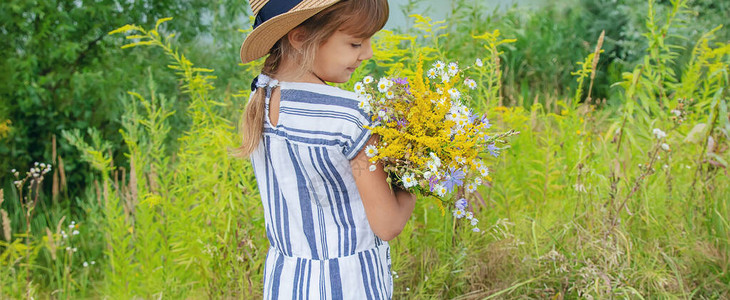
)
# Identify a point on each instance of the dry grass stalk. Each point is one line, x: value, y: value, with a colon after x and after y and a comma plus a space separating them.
x: 6, y: 225
x: 133, y: 178
x: 62, y: 172
x: 596, y: 57
x: 51, y: 243
x: 54, y: 189
x: 98, y: 192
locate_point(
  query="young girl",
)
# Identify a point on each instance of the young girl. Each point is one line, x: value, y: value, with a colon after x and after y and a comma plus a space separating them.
x: 327, y: 215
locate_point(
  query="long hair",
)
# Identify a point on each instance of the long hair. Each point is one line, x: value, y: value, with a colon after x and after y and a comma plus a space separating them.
x: 360, y: 18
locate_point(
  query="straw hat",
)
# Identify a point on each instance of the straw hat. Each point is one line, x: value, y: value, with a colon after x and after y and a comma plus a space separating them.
x: 274, y: 19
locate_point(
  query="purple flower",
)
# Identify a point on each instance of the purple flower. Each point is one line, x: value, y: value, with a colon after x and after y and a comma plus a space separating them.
x: 461, y: 204
x: 432, y: 182
x: 486, y: 121
x: 493, y: 150
x: 454, y: 178
x: 472, y: 117
x: 402, y: 122
x: 401, y: 80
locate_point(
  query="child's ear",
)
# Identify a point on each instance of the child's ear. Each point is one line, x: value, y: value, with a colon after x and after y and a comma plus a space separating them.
x: 296, y: 37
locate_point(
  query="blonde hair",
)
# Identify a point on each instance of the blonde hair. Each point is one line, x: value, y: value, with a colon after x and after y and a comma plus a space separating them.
x: 360, y: 18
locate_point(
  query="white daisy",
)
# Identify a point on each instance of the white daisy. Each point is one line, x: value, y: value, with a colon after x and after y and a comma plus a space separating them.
x: 470, y: 83
x: 484, y: 171
x: 479, y: 63
x: 439, y: 65
x: 471, y: 187
x: 372, y: 168
x: 455, y: 94
x: 367, y: 80
x: 408, y: 180
x: 389, y: 94
x: 371, y: 151
x: 432, y: 73
x: 359, y: 87
x: 459, y: 213
x: 453, y: 68
x: 364, y: 105
x: 384, y: 84
x: 440, y: 190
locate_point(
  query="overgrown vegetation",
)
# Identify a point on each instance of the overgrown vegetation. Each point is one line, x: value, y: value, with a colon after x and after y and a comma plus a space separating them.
x: 610, y: 190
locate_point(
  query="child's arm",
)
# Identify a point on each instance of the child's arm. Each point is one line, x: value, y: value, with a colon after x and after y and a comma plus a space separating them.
x: 387, y: 209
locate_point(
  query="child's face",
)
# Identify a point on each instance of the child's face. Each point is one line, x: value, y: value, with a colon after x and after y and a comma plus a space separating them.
x: 340, y: 55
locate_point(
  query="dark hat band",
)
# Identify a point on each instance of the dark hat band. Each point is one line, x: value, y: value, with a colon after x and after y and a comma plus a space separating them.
x: 274, y: 8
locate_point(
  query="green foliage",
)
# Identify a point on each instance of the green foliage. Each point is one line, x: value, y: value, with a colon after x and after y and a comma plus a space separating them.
x: 61, y: 71
x: 588, y: 201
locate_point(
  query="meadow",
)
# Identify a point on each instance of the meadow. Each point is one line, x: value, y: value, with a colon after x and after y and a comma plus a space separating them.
x: 616, y: 186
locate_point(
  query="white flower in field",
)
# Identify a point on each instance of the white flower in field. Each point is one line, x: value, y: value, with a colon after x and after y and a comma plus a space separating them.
x: 384, y: 84
x: 665, y: 147
x: 477, y: 181
x: 476, y: 229
x: 659, y: 134
x: 439, y: 65
x: 445, y: 78
x: 459, y: 213
x: 455, y: 94
x: 479, y: 63
x: 381, y: 114
x: 676, y: 112
x: 93, y: 262
x: 372, y: 168
x: 462, y: 120
x: 435, y: 159
x: 439, y: 91
x: 86, y: 264
x: 408, y: 180
x: 432, y: 73
x: 75, y: 232
x: 440, y: 190
x: 364, y: 105
x: 359, y: 87
x: 484, y: 171
x: 460, y: 160
x: 453, y: 68
x: 431, y: 165
x: 371, y: 151
x: 474, y: 221
x: 74, y: 249
x: 68, y: 248
x: 367, y: 79
x: 470, y: 83
x: 471, y: 187
x: 389, y: 94
x: 469, y: 215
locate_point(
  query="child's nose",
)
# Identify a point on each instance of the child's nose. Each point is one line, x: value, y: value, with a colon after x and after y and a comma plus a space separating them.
x: 367, y: 51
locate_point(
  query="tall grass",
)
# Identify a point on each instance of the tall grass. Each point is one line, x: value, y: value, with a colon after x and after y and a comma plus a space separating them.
x: 587, y: 202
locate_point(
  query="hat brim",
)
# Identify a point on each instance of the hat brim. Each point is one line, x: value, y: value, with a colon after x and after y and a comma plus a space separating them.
x: 262, y: 38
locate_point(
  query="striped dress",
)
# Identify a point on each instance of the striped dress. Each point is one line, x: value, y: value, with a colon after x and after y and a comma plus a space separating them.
x: 321, y: 244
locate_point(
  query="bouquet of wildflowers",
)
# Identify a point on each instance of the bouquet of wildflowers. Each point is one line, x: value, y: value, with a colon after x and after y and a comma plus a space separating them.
x: 431, y: 143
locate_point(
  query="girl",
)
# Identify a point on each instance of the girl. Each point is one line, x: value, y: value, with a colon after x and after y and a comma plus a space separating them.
x: 328, y: 216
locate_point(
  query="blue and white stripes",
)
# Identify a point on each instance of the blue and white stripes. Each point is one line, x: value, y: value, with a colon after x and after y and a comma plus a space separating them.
x: 320, y: 238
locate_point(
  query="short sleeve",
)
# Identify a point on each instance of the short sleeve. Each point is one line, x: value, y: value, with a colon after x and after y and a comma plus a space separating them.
x: 359, y: 135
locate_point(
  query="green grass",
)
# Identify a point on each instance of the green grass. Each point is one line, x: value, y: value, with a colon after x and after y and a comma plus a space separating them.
x: 585, y: 202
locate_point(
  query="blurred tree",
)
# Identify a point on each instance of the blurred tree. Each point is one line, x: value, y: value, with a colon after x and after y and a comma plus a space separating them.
x: 61, y: 70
